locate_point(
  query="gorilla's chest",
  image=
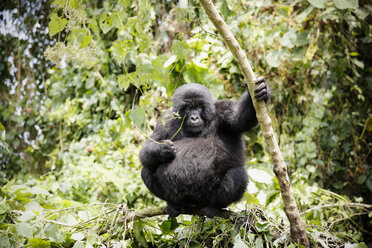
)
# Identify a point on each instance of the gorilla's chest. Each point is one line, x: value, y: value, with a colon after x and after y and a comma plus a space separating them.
x: 196, y: 164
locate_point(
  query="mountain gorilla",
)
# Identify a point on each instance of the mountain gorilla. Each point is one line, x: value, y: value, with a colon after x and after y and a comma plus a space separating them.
x: 202, y: 167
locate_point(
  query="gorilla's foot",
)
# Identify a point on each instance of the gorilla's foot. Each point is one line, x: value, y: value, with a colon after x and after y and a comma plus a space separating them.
x: 211, y: 211
x: 172, y: 210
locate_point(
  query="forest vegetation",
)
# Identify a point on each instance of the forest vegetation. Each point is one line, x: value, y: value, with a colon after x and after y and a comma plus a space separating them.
x: 84, y: 82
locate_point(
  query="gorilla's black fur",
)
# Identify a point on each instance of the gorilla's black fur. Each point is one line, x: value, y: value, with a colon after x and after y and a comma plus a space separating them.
x: 203, y: 166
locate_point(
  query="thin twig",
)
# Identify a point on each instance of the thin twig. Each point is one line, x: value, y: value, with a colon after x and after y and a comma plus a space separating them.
x: 351, y: 204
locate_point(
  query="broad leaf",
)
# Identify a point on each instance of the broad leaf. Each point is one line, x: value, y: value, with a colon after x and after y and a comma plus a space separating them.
x: 56, y: 24
x: 105, y: 23
x: 273, y: 58
x: 180, y: 48
x: 24, y: 230
x: 137, y: 116
x: 53, y: 234
x: 26, y: 216
x: 289, y: 39
x: 346, y: 4
x: 39, y: 243
x: 238, y: 243
x: 320, y: 4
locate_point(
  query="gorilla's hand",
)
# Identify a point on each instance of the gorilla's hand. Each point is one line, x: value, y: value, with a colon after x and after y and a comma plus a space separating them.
x: 166, y: 151
x: 262, y: 91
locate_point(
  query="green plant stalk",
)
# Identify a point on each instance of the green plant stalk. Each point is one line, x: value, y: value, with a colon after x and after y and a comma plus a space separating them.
x: 297, y: 225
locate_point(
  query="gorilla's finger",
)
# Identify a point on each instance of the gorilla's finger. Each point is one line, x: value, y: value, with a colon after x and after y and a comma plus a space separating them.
x: 260, y: 79
x: 260, y: 87
x: 264, y: 97
x: 261, y: 94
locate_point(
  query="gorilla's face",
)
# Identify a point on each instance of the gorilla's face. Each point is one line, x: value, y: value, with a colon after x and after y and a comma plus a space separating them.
x: 194, y: 122
x: 195, y: 105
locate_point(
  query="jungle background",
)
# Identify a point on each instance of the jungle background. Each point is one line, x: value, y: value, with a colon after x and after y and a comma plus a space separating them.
x: 83, y: 82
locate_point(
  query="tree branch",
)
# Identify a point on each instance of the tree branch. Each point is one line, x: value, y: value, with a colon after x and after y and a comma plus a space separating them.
x: 351, y: 204
x: 151, y: 212
x: 298, y: 230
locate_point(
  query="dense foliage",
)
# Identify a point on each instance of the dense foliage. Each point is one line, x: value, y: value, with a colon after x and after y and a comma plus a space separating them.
x: 84, y: 82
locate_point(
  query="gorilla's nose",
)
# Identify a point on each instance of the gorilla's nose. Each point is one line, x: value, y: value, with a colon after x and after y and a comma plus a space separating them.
x: 194, y: 119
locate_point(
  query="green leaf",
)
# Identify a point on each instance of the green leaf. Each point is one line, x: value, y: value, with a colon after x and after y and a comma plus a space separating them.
x: 68, y: 219
x: 124, y: 3
x: 281, y: 239
x: 84, y: 215
x: 38, y: 243
x: 273, y: 58
x: 359, y: 245
x: 225, y: 9
x: 169, y: 225
x: 74, y: 3
x: 251, y: 199
x: 78, y: 236
x: 4, y: 242
x: 358, y: 63
x: 105, y: 23
x: 78, y: 244
x: 362, y: 13
x: 262, y: 226
x: 361, y: 179
x: 4, y: 208
x: 37, y: 190
x: 86, y: 40
x: 260, y: 176
x: 346, y: 4
x: 93, y: 26
x: 369, y: 183
x: 56, y: 24
x: 285, y: 10
x: 120, y: 49
x: 170, y: 61
x: 144, y: 42
x: 180, y: 48
x: 53, y: 234
x: 329, y: 13
x: 289, y: 39
x: 138, y: 233
x: 301, y: 39
x: 298, y: 54
x: 320, y: 4
x: 124, y: 81
x: 238, y: 242
x: 166, y: 226
x: 24, y: 230
x: 302, y: 17
x: 26, y: 216
x: 144, y: 67
x: 116, y: 20
x: 137, y: 116
x: 272, y: 197
x: 369, y: 124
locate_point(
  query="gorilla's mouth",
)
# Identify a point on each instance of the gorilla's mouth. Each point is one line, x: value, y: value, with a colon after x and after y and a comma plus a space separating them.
x: 195, y: 128
x: 195, y: 124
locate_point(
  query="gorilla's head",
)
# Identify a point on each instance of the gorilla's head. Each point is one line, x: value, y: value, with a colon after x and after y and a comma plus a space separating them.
x: 194, y: 102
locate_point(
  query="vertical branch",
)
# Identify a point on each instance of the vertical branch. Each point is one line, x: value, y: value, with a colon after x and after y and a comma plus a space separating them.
x: 298, y: 230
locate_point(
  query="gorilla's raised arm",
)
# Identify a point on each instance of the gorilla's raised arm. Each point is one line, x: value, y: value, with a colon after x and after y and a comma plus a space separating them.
x: 240, y: 116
